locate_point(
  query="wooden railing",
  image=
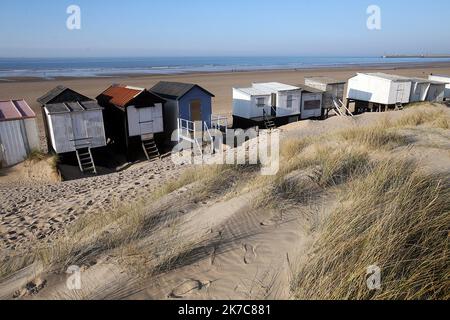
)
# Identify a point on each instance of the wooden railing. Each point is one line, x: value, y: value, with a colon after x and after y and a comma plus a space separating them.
x: 219, y: 122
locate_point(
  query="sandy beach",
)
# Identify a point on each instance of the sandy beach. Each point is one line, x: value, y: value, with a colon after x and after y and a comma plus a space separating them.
x: 220, y: 84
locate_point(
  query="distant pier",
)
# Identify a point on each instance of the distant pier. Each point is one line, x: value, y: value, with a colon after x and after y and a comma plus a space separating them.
x: 424, y: 56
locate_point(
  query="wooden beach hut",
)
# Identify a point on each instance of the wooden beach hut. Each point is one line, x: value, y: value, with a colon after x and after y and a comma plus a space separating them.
x: 133, y: 118
x: 266, y: 104
x: 333, y: 91
x: 381, y: 91
x: 188, y: 110
x: 443, y: 79
x: 18, y: 132
x: 426, y: 90
x: 312, y: 102
x: 378, y: 91
x: 74, y: 124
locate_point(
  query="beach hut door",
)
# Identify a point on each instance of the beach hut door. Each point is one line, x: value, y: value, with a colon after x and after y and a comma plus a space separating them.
x: 145, y: 121
x: 400, y: 92
x: 196, y: 111
x: 80, y: 135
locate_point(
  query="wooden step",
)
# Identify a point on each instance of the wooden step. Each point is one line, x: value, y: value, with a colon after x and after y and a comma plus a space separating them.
x: 150, y: 149
x: 85, y: 161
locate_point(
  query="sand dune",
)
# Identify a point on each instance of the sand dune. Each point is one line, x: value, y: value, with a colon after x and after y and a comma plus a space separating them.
x: 37, y: 211
x: 191, y: 245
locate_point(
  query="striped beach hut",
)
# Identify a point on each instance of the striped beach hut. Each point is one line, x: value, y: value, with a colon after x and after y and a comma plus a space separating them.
x: 73, y: 124
x: 18, y: 132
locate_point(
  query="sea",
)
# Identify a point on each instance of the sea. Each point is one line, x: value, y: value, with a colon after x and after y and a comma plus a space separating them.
x: 50, y: 68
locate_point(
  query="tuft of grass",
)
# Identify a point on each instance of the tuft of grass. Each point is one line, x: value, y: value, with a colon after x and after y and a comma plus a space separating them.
x: 36, y: 155
x: 293, y: 147
x: 394, y: 217
x: 304, y: 177
x: 442, y: 123
x: 376, y: 137
x: 54, y: 160
x: 428, y: 114
x: 337, y: 166
x: 211, y: 178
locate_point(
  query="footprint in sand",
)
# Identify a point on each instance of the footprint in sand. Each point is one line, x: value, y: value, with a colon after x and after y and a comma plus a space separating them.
x: 250, y: 253
x: 187, y: 288
x: 268, y: 223
x: 31, y: 288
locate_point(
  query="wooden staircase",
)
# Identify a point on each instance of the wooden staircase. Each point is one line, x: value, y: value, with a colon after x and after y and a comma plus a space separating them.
x: 340, y: 109
x: 86, y: 161
x: 268, y: 123
x: 150, y: 149
x: 398, y: 106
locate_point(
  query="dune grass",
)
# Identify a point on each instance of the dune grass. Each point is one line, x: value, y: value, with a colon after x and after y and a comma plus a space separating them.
x: 375, y: 137
x: 291, y: 148
x: 36, y: 155
x: 303, y: 176
x: 394, y: 217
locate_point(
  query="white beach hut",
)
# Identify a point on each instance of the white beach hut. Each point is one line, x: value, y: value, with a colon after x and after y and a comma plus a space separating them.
x: 76, y: 127
x: 268, y: 103
x: 426, y: 90
x: 443, y: 79
x: 18, y: 132
x: 333, y: 90
x: 376, y: 90
x: 312, y: 102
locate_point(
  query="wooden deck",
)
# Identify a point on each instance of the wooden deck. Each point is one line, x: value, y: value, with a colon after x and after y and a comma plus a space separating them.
x: 262, y: 119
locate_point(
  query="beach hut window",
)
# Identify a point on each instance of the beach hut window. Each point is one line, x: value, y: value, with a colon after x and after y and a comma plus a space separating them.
x: 290, y: 100
x: 260, y: 102
x: 312, y: 105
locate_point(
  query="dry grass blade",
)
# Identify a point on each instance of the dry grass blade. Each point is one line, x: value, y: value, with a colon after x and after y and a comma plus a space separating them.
x: 395, y: 217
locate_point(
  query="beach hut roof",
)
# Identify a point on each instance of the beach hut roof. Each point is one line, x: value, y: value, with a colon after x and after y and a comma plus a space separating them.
x: 122, y: 96
x: 54, y: 93
x: 325, y: 80
x: 15, y: 110
x: 68, y: 107
x: 421, y: 80
x: 309, y: 89
x: 275, y: 86
x: 254, y: 91
x: 391, y: 77
x: 175, y: 90
x: 394, y: 77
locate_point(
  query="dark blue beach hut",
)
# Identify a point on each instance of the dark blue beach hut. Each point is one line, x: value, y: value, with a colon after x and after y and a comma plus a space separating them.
x: 186, y: 104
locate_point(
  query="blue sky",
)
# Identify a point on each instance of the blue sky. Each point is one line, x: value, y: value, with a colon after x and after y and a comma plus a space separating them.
x: 222, y: 28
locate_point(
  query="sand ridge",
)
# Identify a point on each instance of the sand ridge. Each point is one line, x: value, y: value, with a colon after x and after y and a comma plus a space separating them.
x: 37, y: 212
